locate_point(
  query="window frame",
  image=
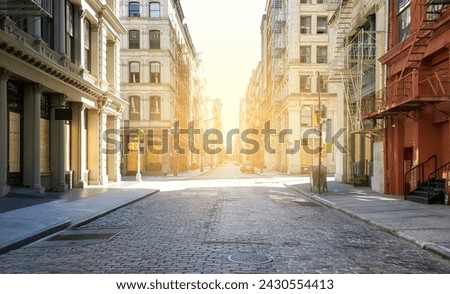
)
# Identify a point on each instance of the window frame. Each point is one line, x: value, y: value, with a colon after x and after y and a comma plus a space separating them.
x: 87, y: 45
x: 319, y: 58
x: 137, y: 77
x: 305, y: 83
x: 132, y: 11
x: 155, y: 77
x: 403, y: 11
x: 305, y: 29
x: 305, y: 58
x: 152, y: 41
x: 135, y: 102
x: 306, y: 112
x: 157, y: 11
x: 70, y: 31
x: 134, y: 43
x: 155, y: 103
x: 322, y: 30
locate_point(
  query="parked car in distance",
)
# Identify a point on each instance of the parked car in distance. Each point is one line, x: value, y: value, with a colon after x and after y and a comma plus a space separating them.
x: 247, y: 167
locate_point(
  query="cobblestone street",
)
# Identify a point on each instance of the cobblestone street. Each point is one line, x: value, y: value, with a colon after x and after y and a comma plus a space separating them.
x: 194, y: 226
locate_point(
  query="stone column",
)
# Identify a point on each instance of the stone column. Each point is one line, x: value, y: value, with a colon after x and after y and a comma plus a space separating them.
x: 4, y: 188
x: 36, y: 178
x: 92, y: 138
x: 102, y: 153
x: 113, y: 148
x: 117, y: 152
x: 97, y: 163
x: 58, y: 146
x: 78, y: 144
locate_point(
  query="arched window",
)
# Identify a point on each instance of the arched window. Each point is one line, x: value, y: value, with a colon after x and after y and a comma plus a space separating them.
x: 133, y: 9
x: 155, y: 108
x: 155, y: 9
x: 135, y: 108
x: 135, y: 72
x: 133, y: 39
x: 155, y: 42
x: 155, y: 72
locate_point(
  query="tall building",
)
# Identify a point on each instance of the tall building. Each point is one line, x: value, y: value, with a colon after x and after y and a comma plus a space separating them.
x: 417, y: 101
x: 359, y: 39
x: 59, y: 93
x: 297, y: 100
x: 161, y: 82
x: 252, y: 116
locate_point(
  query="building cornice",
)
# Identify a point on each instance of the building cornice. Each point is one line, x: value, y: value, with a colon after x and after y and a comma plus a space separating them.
x: 49, y: 62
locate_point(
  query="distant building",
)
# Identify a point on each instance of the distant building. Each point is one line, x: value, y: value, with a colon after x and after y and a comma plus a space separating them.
x: 160, y: 81
x: 56, y: 55
x: 295, y: 54
x: 359, y: 36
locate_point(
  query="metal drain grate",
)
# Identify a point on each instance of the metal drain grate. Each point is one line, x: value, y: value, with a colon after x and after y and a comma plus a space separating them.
x: 76, y: 237
x: 250, y: 258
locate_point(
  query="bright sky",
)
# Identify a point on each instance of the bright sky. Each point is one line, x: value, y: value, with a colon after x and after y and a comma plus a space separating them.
x: 227, y: 34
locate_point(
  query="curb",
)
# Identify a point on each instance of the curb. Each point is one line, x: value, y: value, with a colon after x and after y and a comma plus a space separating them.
x: 431, y: 247
x: 108, y: 211
x: 66, y: 225
x: 36, y: 236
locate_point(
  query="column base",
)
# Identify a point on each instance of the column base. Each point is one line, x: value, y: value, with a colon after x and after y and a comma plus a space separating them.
x: 104, y: 180
x: 39, y: 189
x: 4, y: 190
x: 138, y: 177
x: 62, y: 187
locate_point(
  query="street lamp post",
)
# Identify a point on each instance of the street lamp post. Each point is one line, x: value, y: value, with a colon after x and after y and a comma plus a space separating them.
x: 138, y: 173
x: 320, y: 131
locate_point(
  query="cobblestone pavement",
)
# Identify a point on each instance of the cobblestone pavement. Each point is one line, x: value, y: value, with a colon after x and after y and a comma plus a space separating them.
x: 195, y: 230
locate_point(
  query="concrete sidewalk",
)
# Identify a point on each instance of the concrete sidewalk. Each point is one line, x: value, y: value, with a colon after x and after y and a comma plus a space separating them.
x: 25, y: 225
x: 428, y: 226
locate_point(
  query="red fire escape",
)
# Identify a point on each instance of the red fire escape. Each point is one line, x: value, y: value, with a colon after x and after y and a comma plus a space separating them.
x: 407, y: 92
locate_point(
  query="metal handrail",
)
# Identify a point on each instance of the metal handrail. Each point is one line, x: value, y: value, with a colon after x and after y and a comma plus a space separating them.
x: 420, y: 166
x: 435, y: 173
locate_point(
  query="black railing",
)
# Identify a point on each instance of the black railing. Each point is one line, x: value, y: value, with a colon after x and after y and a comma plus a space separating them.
x: 441, y: 172
x: 415, y: 176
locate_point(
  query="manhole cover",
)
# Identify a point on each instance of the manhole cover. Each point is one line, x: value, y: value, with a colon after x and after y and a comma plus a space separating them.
x: 250, y: 258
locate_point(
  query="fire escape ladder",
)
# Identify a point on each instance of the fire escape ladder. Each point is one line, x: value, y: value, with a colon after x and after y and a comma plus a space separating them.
x: 423, y: 34
x: 344, y: 23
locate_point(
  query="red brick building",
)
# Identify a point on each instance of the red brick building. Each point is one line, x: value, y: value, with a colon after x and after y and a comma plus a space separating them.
x: 416, y: 103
